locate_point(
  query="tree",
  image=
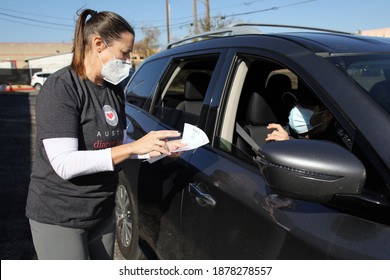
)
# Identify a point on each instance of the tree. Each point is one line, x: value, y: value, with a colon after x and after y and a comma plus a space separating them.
x: 215, y: 22
x: 149, y: 44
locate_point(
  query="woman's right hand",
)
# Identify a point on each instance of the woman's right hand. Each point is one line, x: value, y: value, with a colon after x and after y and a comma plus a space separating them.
x: 154, y: 143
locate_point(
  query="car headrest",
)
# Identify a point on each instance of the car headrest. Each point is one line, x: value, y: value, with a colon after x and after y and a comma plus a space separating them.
x: 279, y: 83
x: 196, y: 86
x: 258, y: 111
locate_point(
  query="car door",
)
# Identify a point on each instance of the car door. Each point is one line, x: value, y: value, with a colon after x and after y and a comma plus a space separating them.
x: 228, y: 212
x: 222, y: 204
x: 177, y: 98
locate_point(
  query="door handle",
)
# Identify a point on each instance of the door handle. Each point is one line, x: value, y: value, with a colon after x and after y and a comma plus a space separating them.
x: 202, y: 198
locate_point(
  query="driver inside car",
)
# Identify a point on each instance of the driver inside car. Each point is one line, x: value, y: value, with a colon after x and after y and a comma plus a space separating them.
x: 308, y: 119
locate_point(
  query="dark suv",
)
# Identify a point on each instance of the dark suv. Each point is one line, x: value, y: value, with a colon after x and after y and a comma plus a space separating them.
x: 239, y: 197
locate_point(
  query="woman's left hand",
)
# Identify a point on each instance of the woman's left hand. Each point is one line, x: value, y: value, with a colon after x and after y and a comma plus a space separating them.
x: 278, y: 133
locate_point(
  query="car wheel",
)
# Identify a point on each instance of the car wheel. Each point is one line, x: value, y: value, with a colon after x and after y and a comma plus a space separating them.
x: 37, y: 86
x: 127, y: 223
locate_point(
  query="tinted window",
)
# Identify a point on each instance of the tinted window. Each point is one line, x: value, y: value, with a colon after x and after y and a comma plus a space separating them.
x: 371, y: 72
x: 140, y: 89
x: 183, y: 90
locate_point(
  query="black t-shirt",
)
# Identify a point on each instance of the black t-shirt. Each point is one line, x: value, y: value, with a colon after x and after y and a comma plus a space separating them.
x: 68, y: 106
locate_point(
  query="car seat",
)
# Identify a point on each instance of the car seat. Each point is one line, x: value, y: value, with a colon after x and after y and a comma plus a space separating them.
x: 257, y: 118
x: 195, y: 89
x: 381, y: 93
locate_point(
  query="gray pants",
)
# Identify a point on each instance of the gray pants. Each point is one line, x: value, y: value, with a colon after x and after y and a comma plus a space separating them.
x: 54, y: 242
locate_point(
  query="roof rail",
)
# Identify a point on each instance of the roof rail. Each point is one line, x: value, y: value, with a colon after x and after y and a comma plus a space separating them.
x: 239, y: 24
x: 243, y: 29
x: 222, y: 32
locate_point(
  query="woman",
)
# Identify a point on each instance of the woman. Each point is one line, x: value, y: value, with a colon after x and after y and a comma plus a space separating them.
x: 81, y: 131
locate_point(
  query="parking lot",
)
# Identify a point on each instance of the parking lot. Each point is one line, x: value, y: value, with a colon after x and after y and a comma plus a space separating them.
x: 17, y: 133
x: 17, y: 136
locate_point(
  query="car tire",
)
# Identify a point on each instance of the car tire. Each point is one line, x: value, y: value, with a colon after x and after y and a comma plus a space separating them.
x: 37, y: 86
x: 126, y: 212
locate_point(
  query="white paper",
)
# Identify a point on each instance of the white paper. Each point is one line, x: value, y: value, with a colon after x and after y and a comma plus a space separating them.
x: 193, y: 137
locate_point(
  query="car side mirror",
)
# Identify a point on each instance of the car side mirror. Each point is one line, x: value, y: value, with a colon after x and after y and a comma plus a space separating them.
x: 313, y: 170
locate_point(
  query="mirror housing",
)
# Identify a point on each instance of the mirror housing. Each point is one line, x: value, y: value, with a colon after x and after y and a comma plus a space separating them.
x: 313, y: 170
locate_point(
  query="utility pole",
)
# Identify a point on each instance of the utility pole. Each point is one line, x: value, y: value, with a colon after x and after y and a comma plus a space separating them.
x: 207, y: 18
x: 194, y: 14
x: 168, y: 16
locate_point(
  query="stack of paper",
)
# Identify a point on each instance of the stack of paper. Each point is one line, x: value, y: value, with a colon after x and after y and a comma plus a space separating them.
x: 193, y: 137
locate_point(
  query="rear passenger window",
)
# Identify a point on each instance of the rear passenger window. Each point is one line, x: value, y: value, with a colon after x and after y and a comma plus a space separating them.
x: 184, y: 88
x: 140, y: 90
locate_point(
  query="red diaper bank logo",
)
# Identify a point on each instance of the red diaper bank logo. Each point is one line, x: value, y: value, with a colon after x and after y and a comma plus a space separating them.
x: 110, y: 115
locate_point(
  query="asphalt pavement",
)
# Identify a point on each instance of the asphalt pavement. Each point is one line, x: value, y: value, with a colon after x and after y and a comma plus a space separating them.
x: 17, y: 139
x: 17, y: 133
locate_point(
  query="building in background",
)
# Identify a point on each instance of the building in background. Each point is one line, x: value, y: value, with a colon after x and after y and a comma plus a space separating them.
x: 14, y: 57
x: 50, y: 64
x: 20, y: 53
x: 48, y: 57
x: 19, y: 61
x: 381, y: 32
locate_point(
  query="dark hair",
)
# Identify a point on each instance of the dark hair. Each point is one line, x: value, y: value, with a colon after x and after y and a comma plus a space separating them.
x: 108, y: 25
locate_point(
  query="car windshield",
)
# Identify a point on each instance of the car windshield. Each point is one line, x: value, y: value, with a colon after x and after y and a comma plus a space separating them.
x: 371, y: 72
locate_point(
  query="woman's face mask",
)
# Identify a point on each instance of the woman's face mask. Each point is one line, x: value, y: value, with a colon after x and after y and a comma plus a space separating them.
x: 301, y: 119
x: 115, y: 70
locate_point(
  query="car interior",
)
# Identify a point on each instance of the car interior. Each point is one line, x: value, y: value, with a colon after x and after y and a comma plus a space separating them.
x: 261, y: 102
x: 381, y: 90
x: 182, y: 97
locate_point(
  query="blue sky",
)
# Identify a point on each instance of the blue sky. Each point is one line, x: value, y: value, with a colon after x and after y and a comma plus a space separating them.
x: 53, y: 20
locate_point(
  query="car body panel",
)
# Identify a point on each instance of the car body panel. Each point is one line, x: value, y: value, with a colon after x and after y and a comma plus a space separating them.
x: 289, y: 228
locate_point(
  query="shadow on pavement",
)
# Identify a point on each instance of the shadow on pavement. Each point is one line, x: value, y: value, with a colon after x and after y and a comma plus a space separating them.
x: 17, y: 132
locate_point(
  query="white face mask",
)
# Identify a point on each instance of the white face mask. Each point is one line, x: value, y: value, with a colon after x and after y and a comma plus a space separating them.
x: 299, y: 119
x: 115, y: 70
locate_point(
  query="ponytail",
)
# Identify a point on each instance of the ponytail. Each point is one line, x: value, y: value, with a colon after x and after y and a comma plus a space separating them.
x: 108, y: 25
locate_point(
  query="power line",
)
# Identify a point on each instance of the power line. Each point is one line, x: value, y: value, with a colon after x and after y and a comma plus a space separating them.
x: 35, y: 25
x: 271, y: 9
x: 184, y: 23
x: 247, y: 3
x: 38, y: 15
x: 173, y: 24
x: 36, y: 20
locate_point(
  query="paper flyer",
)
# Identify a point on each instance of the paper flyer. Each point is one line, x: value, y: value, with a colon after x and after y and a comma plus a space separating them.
x: 193, y: 136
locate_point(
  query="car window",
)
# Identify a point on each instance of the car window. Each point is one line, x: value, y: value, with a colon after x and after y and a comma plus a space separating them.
x: 139, y: 91
x: 182, y: 91
x: 371, y: 72
x: 256, y: 100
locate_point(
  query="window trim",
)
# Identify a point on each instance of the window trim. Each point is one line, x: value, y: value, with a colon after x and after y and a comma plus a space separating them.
x: 234, y: 94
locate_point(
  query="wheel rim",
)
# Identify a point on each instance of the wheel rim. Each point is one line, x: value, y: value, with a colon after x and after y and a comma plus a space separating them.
x: 123, y: 216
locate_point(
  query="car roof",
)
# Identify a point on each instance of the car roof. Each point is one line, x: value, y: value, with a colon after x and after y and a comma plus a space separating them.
x: 338, y: 43
x: 317, y: 40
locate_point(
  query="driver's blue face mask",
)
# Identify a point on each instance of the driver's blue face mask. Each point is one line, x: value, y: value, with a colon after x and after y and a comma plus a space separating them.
x: 300, y: 119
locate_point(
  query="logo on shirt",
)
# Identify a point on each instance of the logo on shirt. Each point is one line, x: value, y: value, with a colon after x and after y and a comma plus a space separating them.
x: 110, y: 115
